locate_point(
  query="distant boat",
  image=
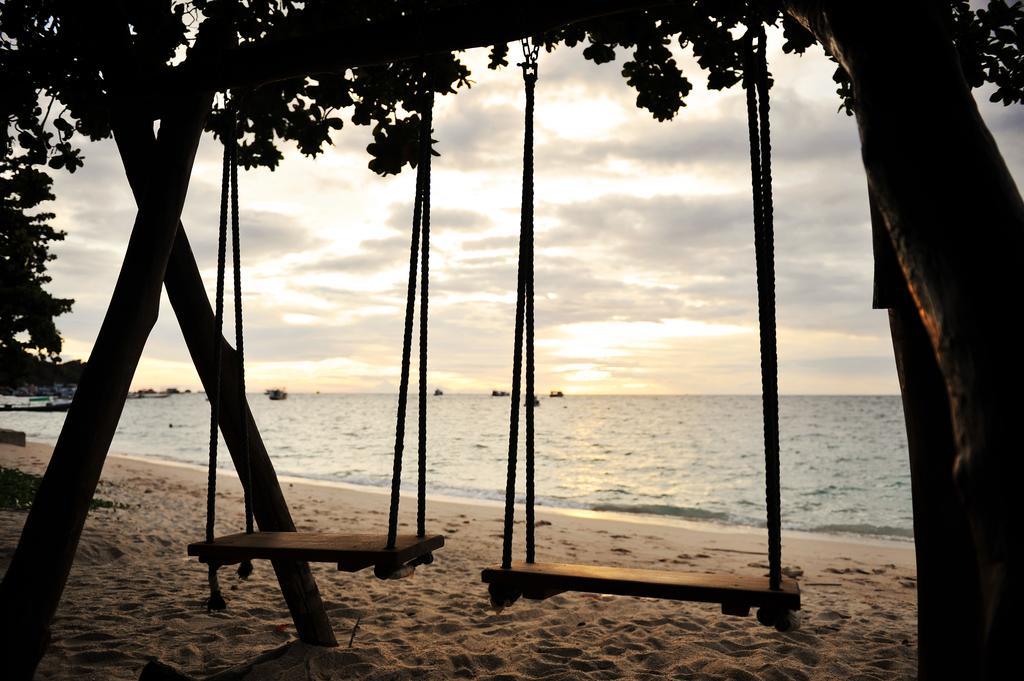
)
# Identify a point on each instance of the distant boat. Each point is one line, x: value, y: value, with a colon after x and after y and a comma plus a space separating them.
x: 37, y: 405
x: 536, y: 401
x: 438, y: 392
x: 277, y: 394
x: 147, y: 393
x: 499, y: 393
x: 556, y: 393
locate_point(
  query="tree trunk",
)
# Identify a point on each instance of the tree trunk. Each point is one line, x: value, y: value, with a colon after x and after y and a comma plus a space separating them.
x: 942, y: 534
x: 949, y: 614
x: 187, y: 295
x: 956, y: 222
x: 35, y: 579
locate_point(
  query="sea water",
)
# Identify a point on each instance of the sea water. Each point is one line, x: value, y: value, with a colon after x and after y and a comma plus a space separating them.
x: 844, y: 459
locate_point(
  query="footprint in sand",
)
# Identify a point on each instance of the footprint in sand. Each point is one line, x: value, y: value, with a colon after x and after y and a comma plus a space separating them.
x: 833, y: 616
x: 847, y: 571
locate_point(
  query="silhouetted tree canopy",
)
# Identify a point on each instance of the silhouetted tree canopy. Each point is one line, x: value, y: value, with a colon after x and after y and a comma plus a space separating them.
x: 27, y: 330
x: 60, y: 74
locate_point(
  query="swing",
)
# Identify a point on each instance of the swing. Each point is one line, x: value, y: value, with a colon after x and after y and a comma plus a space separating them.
x: 392, y: 555
x: 775, y: 595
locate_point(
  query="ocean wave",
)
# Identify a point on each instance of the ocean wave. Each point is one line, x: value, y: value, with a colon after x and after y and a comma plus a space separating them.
x: 663, y: 509
x: 865, y: 529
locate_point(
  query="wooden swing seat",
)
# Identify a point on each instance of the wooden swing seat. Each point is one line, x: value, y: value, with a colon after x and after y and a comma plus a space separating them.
x: 352, y: 552
x: 736, y: 593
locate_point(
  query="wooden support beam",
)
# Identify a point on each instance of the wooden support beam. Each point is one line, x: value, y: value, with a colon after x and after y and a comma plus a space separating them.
x: 332, y: 49
x: 35, y: 579
x: 191, y: 306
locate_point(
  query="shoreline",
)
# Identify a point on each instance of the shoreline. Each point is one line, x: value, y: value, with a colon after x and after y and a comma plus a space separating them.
x: 709, y: 526
x: 895, y: 541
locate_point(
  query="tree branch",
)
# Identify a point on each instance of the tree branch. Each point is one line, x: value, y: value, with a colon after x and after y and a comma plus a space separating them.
x: 336, y: 48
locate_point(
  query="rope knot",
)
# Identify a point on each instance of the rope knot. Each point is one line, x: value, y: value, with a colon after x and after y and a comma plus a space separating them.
x: 216, y: 601
x: 245, y: 569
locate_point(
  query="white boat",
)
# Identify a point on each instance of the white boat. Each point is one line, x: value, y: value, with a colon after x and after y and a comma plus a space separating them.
x: 37, y: 404
x: 277, y: 394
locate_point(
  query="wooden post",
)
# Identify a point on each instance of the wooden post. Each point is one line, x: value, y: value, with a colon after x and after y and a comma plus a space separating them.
x: 32, y: 587
x: 188, y: 297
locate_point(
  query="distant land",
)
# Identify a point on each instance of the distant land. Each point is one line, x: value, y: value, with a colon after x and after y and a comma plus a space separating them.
x: 44, y: 373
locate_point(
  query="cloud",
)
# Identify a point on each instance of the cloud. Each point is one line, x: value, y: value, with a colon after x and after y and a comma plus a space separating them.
x: 491, y: 243
x: 373, y: 255
x: 644, y: 257
x: 441, y: 218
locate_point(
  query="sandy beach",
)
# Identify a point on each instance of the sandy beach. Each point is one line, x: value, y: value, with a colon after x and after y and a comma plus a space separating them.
x: 133, y: 596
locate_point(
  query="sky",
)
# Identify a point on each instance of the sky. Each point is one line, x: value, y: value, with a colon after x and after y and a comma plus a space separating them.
x: 644, y: 255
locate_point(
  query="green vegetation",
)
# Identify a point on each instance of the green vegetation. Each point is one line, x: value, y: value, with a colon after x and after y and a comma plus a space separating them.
x: 18, y: 489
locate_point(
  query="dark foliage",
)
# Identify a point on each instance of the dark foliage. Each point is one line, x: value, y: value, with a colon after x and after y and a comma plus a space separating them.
x: 62, y: 71
x: 40, y: 371
x: 27, y: 330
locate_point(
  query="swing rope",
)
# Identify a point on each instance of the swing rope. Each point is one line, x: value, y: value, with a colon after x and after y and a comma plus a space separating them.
x: 757, y: 85
x: 421, y: 218
x: 245, y: 567
x: 229, y: 193
x: 530, y: 78
x: 425, y: 161
x: 524, y: 316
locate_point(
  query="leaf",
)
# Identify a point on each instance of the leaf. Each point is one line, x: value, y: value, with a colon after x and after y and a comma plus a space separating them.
x: 63, y: 126
x: 599, y: 54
